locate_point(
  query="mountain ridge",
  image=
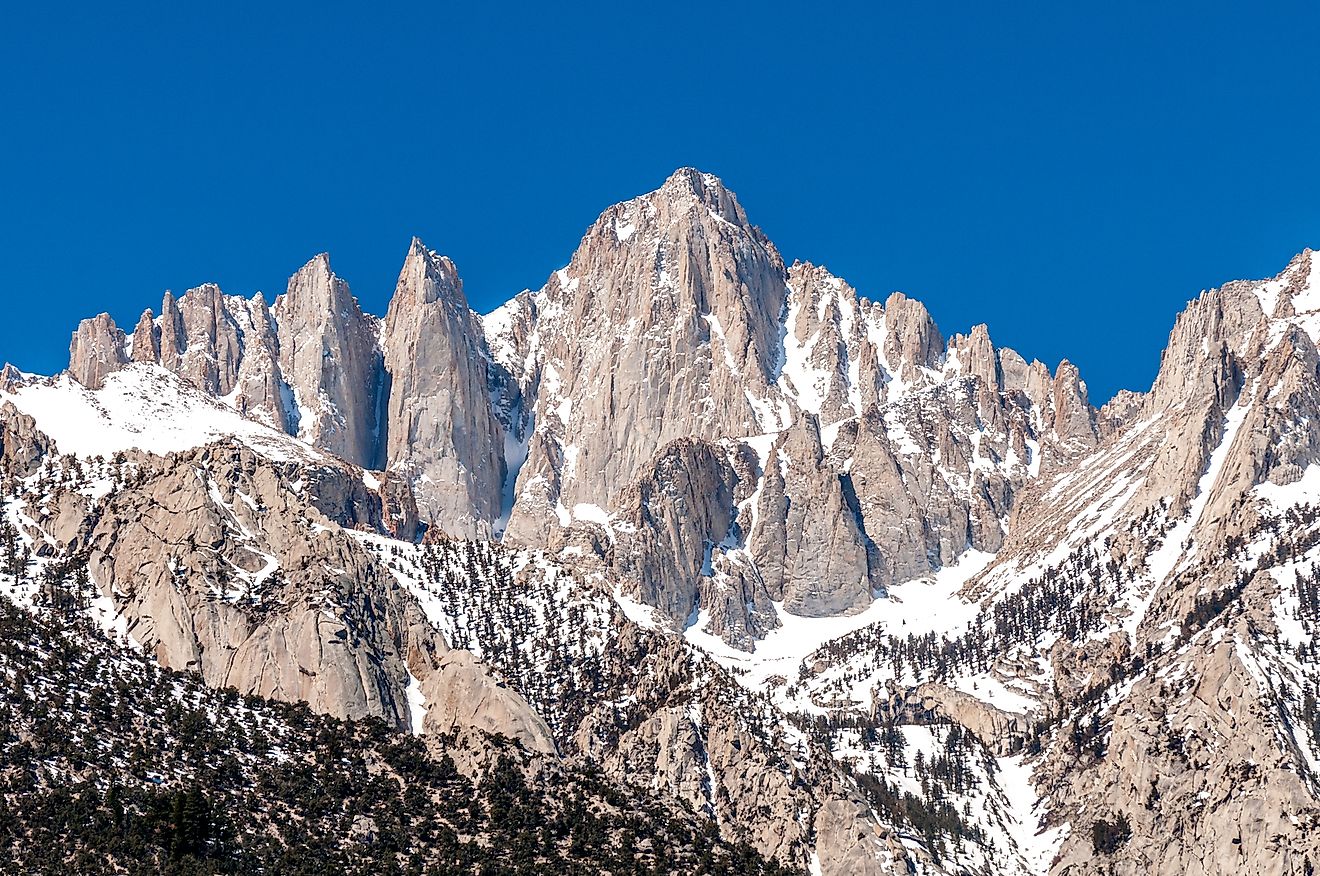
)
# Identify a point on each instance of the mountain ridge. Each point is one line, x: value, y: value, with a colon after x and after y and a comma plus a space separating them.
x: 870, y: 598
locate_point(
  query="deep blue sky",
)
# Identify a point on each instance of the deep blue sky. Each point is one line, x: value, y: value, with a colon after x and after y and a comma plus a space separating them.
x: 1069, y: 175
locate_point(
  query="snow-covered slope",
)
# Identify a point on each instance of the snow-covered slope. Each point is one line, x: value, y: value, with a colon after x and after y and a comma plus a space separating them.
x: 142, y: 407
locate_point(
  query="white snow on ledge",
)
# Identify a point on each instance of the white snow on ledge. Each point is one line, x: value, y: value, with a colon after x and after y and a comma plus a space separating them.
x: 1283, y: 496
x: 1035, y: 845
x: 143, y: 407
x: 929, y: 604
x: 639, y: 613
x: 416, y: 704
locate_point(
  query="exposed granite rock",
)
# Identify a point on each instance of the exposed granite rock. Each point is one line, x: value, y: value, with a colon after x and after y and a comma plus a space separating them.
x: 22, y: 445
x: 670, y: 520
x: 441, y: 429
x: 693, y: 742
x: 807, y: 542
x: 97, y: 349
x: 930, y: 702
x: 911, y: 340
x: 460, y: 694
x: 626, y: 335
x: 217, y: 563
x: 146, y: 339
x: 1195, y: 763
x: 329, y: 355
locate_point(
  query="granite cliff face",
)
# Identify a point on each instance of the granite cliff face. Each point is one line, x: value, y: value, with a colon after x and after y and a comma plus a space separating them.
x: 441, y: 429
x: 97, y: 348
x: 664, y: 325
x: 331, y: 360
x: 866, y: 597
x: 868, y: 451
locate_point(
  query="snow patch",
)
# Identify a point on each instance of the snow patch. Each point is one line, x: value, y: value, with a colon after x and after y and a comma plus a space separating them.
x: 927, y: 605
x: 143, y: 407
x: 416, y: 704
x: 1036, y: 847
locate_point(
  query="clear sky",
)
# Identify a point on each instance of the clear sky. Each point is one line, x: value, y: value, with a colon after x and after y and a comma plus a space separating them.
x: 1068, y: 173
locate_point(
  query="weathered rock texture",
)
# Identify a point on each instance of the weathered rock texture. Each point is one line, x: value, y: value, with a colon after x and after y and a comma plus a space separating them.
x: 442, y: 432
x: 330, y: 357
x: 1191, y: 509
x: 868, y: 450
x: 217, y: 564
x: 96, y: 350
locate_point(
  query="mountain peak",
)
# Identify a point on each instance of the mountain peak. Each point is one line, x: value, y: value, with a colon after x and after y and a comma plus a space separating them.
x: 317, y: 263
x: 427, y: 276
x: 418, y: 249
x: 692, y: 179
x: 706, y: 189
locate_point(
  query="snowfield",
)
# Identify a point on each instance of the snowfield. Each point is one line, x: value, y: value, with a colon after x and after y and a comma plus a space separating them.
x: 143, y: 407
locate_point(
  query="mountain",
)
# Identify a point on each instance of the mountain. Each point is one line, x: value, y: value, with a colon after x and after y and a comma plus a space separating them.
x: 856, y: 596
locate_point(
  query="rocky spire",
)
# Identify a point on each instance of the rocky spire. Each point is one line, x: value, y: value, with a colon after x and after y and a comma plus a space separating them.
x: 976, y: 356
x: 173, y: 336
x: 1074, y: 418
x: 96, y: 350
x: 827, y: 325
x: 209, y: 356
x: 146, y: 339
x: 911, y: 340
x: 808, y: 543
x: 441, y: 429
x: 329, y: 356
x: 259, y: 387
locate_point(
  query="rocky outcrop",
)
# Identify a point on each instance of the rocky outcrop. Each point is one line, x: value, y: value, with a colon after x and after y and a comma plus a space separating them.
x: 398, y: 507
x: 1002, y: 732
x: 663, y: 326
x: 145, y: 344
x: 440, y: 426
x: 312, y: 368
x: 210, y: 346
x: 807, y: 540
x: 22, y: 445
x: 693, y: 741
x: 329, y: 356
x: 218, y: 563
x: 96, y: 350
x: 668, y: 523
x: 912, y: 342
x: 1074, y: 418
x: 460, y: 694
x: 850, y: 840
x: 1197, y: 766
x: 224, y: 345
x: 173, y: 333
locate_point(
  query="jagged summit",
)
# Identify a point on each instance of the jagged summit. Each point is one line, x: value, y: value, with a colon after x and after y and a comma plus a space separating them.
x: 708, y: 190
x: 438, y: 425
x: 868, y: 596
x: 427, y: 275
x: 675, y: 319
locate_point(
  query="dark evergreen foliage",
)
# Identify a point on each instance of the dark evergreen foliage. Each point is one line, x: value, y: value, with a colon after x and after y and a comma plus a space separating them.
x: 109, y: 764
x: 1108, y: 837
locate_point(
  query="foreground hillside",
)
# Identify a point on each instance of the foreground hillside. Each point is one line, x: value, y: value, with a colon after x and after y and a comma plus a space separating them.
x: 110, y: 764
